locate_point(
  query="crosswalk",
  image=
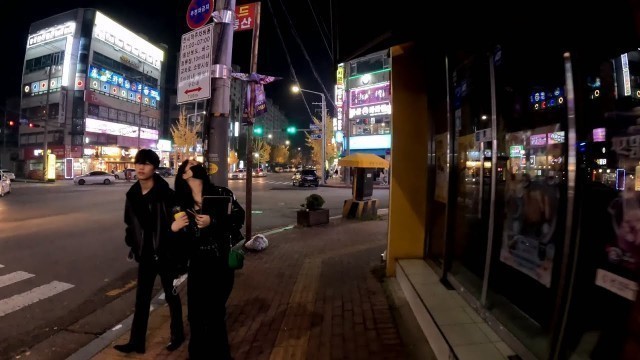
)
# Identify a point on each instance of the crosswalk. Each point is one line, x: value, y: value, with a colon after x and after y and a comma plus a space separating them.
x: 265, y: 181
x: 32, y: 296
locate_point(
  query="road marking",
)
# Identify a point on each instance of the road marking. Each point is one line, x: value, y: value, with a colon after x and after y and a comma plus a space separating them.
x: 32, y: 296
x: 1, y: 266
x: 14, y: 278
x: 119, y: 291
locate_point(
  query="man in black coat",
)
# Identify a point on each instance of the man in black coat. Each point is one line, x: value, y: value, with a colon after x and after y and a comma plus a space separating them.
x: 148, y: 220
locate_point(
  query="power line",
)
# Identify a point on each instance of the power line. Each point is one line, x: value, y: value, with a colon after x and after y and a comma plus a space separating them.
x: 286, y: 52
x: 320, y: 29
x: 304, y: 51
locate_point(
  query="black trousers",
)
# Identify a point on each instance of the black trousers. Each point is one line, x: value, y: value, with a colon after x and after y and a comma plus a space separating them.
x: 148, y: 269
x: 208, y: 287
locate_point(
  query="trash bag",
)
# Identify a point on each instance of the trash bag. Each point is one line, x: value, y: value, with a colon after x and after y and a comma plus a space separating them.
x: 259, y: 242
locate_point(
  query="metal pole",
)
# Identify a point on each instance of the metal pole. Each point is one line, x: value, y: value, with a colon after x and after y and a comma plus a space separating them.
x: 195, y: 120
x: 45, y: 157
x: 4, y: 136
x: 140, y: 109
x: 324, y: 139
x: 253, y: 69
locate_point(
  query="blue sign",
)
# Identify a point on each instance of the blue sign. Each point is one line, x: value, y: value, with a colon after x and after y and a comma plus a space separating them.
x: 199, y: 12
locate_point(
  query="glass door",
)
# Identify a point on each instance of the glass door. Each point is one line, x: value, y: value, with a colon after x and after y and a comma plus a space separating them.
x: 604, y: 309
x: 472, y: 112
x: 531, y: 193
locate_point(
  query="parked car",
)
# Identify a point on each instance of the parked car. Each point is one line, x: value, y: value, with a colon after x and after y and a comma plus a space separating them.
x: 5, y: 185
x: 95, y: 177
x: 5, y: 172
x: 238, y: 174
x: 306, y: 178
x: 122, y: 175
x: 164, y: 171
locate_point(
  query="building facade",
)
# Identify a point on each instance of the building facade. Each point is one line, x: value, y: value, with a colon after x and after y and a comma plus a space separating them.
x: 363, y: 101
x: 514, y: 198
x: 94, y: 87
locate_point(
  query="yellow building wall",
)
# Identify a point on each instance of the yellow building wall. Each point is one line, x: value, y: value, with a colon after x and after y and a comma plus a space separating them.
x: 409, y: 148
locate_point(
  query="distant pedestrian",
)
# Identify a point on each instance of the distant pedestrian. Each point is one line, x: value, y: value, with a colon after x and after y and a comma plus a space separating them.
x: 210, y: 280
x: 153, y: 245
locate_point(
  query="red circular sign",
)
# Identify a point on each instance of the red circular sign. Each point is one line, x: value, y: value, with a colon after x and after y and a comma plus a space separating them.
x: 199, y: 12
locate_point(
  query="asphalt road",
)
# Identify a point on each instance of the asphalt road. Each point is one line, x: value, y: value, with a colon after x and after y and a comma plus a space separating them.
x: 62, y: 252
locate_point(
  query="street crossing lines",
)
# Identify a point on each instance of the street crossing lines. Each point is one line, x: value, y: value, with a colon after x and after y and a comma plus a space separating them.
x: 19, y: 301
x: 32, y: 296
x: 14, y: 277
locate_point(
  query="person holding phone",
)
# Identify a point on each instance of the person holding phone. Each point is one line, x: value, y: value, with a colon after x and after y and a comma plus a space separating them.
x: 209, y: 235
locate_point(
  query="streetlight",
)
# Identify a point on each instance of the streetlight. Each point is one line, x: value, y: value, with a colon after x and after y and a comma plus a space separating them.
x: 287, y: 142
x: 297, y: 89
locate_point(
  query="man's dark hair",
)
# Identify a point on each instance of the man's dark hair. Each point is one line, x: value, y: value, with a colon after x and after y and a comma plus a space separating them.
x: 147, y: 156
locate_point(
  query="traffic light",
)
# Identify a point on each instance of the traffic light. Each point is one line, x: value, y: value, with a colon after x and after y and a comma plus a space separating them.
x: 12, y: 123
x: 257, y: 130
x: 291, y: 130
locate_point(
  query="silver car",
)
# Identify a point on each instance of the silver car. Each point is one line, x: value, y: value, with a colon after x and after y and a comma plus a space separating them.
x: 5, y: 185
x: 95, y: 177
x: 5, y: 172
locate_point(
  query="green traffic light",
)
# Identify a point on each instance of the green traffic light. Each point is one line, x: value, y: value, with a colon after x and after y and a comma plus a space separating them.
x: 257, y: 130
x: 291, y: 130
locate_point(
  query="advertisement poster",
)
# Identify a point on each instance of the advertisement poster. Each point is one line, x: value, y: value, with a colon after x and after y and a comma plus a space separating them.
x: 531, y: 226
x: 442, y: 167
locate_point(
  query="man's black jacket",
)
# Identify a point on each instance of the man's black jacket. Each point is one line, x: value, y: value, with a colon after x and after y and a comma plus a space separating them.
x: 165, y: 244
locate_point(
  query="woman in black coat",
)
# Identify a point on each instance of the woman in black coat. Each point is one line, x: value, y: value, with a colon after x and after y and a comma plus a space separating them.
x: 209, y: 236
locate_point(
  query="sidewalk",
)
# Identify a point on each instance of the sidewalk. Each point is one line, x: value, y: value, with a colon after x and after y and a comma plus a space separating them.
x: 338, y: 183
x: 313, y: 294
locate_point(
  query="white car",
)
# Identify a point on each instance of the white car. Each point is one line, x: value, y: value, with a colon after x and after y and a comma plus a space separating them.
x: 5, y: 185
x: 95, y: 177
x: 122, y: 175
x: 238, y: 174
x: 5, y: 172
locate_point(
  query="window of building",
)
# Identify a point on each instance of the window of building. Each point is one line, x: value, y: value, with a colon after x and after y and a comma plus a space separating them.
x: 371, y: 126
x: 42, y: 62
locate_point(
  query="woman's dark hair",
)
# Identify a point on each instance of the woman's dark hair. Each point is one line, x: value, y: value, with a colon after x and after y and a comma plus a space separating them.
x: 183, y: 191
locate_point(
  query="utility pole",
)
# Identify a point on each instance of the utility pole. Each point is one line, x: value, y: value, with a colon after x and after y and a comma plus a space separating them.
x: 324, y: 139
x: 45, y: 151
x: 4, y: 135
x: 140, y: 107
x: 253, y: 69
x: 218, y: 125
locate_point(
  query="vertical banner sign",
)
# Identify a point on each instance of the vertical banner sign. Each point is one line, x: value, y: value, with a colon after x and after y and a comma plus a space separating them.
x: 199, y: 12
x: 194, y: 74
x: 245, y: 17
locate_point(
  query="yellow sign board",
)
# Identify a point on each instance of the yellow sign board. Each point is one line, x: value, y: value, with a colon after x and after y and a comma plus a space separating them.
x: 213, y: 168
x: 51, y: 167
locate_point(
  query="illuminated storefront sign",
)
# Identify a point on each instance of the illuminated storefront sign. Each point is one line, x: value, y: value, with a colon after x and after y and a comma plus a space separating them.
x: 370, y: 142
x: 538, y: 140
x: 114, y: 84
x: 516, y: 151
x: 117, y: 35
x: 599, y: 135
x: 106, y: 127
x: 51, y: 167
x: 556, y: 137
x: 164, y: 145
x: 340, y: 75
x: 50, y: 34
x: 370, y: 100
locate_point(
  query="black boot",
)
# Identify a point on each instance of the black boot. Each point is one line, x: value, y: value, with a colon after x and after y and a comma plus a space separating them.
x: 129, y: 348
x: 175, y: 343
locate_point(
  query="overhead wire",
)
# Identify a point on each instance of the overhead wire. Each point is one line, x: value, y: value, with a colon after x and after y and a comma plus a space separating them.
x: 320, y: 29
x: 286, y: 52
x: 304, y: 51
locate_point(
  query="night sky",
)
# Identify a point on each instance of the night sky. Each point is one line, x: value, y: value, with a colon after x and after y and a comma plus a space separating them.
x: 166, y: 24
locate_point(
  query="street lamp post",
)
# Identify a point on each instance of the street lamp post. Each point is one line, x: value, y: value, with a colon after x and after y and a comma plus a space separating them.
x: 297, y: 89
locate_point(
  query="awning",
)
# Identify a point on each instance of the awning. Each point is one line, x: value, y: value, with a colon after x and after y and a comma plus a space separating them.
x: 363, y: 161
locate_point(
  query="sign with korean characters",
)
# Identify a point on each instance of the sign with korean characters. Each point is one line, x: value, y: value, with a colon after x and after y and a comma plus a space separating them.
x: 245, y: 17
x: 199, y: 13
x: 194, y: 74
